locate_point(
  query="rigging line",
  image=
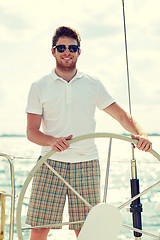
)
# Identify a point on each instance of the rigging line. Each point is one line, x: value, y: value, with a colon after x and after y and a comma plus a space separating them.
x: 128, y: 76
x: 127, y: 62
x: 136, y: 218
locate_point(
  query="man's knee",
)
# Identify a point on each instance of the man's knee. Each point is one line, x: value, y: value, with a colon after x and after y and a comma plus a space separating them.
x: 39, y: 233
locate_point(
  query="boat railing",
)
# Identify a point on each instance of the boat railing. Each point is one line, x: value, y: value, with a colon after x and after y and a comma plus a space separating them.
x: 3, y: 195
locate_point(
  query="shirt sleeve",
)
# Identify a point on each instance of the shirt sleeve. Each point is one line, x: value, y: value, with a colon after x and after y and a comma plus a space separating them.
x: 34, y: 104
x: 103, y: 98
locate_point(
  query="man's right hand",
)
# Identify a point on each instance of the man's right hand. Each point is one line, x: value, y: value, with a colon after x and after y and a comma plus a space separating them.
x: 35, y: 135
x: 61, y: 144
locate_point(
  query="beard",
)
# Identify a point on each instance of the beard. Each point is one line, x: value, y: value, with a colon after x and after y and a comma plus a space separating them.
x: 65, y: 67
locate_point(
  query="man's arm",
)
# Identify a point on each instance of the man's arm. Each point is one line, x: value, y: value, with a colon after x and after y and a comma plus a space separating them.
x: 35, y: 135
x: 128, y: 123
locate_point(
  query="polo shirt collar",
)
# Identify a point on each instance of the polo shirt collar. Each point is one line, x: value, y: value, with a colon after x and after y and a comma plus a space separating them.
x: 56, y: 77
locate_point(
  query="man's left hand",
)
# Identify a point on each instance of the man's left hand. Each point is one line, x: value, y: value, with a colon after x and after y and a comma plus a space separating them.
x: 143, y: 143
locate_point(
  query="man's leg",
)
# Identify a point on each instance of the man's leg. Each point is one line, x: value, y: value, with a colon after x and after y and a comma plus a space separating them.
x: 77, y: 232
x: 48, y: 196
x: 39, y: 234
x: 85, y: 178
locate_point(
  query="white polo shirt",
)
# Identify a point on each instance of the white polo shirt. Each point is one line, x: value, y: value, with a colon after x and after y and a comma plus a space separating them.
x: 69, y: 108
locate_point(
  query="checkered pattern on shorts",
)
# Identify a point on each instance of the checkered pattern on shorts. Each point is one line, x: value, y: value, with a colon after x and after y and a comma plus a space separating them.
x: 48, y: 193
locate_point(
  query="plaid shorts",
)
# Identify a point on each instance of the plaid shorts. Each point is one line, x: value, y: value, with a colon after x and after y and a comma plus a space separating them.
x: 48, y: 193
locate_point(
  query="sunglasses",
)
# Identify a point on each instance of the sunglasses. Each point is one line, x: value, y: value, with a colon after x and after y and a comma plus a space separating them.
x: 62, y: 48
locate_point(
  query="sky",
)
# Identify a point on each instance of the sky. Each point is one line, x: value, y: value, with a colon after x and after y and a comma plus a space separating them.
x: 26, y: 30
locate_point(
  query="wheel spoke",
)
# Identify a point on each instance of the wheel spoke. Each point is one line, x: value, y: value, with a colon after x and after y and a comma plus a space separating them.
x: 140, y: 231
x: 138, y: 195
x: 68, y: 185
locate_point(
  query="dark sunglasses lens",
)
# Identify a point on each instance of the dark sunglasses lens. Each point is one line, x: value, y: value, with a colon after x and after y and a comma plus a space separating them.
x: 61, y: 48
x: 73, y: 48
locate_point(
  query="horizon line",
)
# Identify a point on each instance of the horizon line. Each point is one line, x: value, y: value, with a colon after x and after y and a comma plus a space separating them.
x: 24, y: 135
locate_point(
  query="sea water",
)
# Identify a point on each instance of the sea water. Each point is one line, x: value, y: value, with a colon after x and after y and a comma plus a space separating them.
x: 25, y: 154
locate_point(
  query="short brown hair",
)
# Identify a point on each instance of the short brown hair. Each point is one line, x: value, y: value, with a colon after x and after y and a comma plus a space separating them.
x: 65, y: 32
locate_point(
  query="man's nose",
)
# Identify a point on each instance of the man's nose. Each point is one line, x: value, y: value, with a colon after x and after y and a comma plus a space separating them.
x: 67, y: 50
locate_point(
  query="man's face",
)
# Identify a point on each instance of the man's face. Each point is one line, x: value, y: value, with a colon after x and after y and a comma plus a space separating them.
x: 66, y: 60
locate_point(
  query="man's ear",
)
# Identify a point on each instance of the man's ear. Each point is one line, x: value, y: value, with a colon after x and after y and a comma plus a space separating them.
x: 79, y: 52
x: 53, y: 51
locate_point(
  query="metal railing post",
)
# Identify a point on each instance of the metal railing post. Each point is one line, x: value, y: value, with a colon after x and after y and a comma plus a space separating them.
x: 11, y: 232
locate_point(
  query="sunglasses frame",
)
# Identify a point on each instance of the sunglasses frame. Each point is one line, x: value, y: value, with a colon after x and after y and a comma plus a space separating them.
x: 65, y: 47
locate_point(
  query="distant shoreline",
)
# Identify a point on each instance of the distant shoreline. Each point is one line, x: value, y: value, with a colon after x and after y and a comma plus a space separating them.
x: 23, y: 135
x: 12, y: 135
x: 149, y: 134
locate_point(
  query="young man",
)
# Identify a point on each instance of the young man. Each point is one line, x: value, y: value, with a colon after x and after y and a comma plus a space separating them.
x: 64, y: 103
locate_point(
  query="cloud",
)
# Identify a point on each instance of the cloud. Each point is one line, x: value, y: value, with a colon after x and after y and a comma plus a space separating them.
x: 98, y: 30
x: 2, y: 95
x: 144, y: 68
x: 13, y: 25
x: 12, y: 21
